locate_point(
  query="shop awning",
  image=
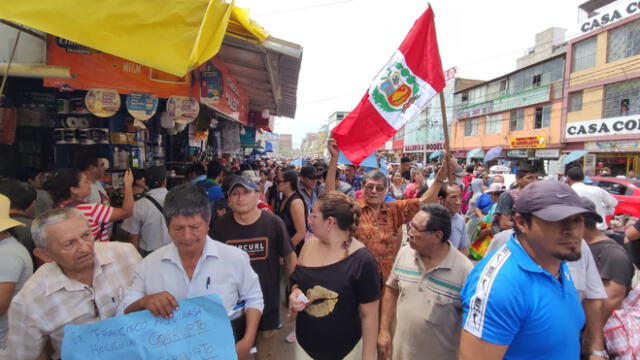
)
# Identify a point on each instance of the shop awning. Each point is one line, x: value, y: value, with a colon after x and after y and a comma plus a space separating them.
x: 268, y: 71
x: 173, y: 36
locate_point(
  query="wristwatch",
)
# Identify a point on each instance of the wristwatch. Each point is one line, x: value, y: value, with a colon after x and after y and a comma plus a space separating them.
x: 600, y: 353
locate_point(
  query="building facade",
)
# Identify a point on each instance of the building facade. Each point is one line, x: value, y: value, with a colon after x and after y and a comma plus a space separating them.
x: 520, y: 111
x: 601, y: 102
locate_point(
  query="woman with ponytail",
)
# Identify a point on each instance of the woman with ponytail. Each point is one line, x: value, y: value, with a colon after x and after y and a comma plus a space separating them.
x: 336, y: 286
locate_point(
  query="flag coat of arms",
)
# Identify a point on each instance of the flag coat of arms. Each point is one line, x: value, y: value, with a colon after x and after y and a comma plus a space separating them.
x: 401, y: 89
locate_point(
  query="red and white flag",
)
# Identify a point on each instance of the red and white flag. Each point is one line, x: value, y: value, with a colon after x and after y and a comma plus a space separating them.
x: 401, y: 89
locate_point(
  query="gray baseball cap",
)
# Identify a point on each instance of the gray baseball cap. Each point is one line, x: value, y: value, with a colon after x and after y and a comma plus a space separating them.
x: 241, y: 181
x: 549, y: 200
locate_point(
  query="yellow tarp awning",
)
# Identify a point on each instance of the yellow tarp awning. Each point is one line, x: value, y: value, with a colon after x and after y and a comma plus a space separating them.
x: 173, y: 36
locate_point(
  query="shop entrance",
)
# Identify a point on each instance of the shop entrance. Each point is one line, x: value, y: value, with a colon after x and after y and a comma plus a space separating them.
x: 619, y: 163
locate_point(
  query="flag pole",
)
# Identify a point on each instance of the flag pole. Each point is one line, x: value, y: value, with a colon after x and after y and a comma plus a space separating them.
x: 447, y: 147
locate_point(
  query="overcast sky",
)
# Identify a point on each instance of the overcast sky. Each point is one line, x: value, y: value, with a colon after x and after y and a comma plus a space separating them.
x: 346, y: 42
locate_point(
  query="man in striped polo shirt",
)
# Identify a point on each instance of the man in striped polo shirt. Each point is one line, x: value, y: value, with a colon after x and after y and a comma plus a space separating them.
x: 423, y: 292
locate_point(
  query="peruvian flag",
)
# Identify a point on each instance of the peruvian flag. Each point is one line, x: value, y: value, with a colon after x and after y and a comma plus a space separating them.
x: 401, y: 89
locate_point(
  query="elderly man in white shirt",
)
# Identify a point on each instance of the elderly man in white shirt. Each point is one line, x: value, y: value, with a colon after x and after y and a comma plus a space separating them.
x: 605, y: 202
x: 195, y: 265
x: 82, y: 282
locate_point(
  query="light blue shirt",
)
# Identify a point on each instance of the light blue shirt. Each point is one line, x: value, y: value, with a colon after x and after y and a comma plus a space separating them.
x: 458, y: 235
x: 508, y: 299
x: 198, y: 179
x: 222, y: 269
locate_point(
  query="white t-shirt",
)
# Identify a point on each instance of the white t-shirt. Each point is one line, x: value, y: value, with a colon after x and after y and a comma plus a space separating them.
x: 98, y: 194
x: 605, y: 202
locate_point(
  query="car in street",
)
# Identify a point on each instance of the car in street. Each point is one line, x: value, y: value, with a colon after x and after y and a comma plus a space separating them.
x: 626, y: 191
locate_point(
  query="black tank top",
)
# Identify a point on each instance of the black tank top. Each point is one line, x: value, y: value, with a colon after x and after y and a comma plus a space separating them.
x: 285, y: 215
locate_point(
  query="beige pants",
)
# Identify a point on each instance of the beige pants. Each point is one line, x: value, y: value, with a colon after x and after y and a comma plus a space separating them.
x: 355, y: 354
x: 267, y: 345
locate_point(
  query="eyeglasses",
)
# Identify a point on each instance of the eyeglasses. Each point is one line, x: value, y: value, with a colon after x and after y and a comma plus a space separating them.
x: 378, y: 188
x: 412, y: 228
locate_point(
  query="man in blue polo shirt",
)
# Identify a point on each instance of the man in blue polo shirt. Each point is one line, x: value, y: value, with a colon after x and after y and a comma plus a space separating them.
x: 520, y: 301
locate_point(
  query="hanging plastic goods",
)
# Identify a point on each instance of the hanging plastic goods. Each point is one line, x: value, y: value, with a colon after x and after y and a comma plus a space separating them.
x: 102, y: 102
x: 141, y: 106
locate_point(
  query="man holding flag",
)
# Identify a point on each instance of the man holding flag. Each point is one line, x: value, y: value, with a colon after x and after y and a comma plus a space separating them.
x: 401, y: 89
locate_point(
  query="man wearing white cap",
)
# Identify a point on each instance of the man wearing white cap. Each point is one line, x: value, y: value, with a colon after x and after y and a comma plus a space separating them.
x: 15, y: 266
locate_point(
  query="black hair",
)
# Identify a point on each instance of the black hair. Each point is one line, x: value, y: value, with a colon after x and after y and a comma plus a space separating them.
x: 376, y: 175
x: 137, y: 174
x: 575, y: 174
x: 527, y: 219
x: 292, y: 178
x: 214, y: 168
x: 196, y: 168
x: 525, y: 170
x: 442, y: 193
x: 83, y: 163
x: 20, y: 194
x: 187, y: 200
x: 245, y: 167
x: 405, y: 159
x: 439, y: 220
x: 63, y: 181
x: 469, y: 169
x: 589, y: 222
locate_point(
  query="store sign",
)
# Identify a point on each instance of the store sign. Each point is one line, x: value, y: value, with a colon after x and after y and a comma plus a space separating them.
x: 612, y: 146
x: 521, y: 154
x: 99, y: 70
x: 222, y: 92
x: 475, y: 110
x: 610, y: 14
x: 604, y: 127
x: 428, y: 147
x: 522, y: 99
x: 529, y: 142
x: 459, y: 154
x: 547, y: 153
x: 450, y: 73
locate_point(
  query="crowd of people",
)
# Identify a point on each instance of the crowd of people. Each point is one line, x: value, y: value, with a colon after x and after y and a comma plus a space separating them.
x: 437, y: 262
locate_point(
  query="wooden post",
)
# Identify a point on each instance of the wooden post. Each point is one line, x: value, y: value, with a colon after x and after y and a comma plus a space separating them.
x: 447, y: 147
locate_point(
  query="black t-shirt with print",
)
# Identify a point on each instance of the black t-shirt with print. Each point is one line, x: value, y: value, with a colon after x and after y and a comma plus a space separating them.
x: 265, y: 241
x: 330, y: 327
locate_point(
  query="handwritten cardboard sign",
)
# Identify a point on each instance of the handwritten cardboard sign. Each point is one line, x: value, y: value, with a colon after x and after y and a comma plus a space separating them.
x: 199, y: 330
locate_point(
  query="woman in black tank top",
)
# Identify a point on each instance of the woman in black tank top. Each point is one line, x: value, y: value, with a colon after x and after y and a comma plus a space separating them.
x: 292, y: 209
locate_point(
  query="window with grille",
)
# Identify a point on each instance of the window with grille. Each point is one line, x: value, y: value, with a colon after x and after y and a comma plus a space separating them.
x: 584, y: 54
x: 624, y: 41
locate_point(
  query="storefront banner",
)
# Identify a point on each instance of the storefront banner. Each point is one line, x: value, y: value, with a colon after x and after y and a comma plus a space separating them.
x: 248, y: 139
x: 102, y: 102
x: 183, y: 109
x: 623, y: 125
x: 218, y: 89
x: 475, y: 110
x: 522, y: 99
x: 459, y: 154
x: 612, y: 146
x: 529, y: 142
x: 428, y: 147
x: 547, y: 153
x: 142, y: 106
x: 92, y: 69
x: 519, y: 154
x: 610, y: 14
